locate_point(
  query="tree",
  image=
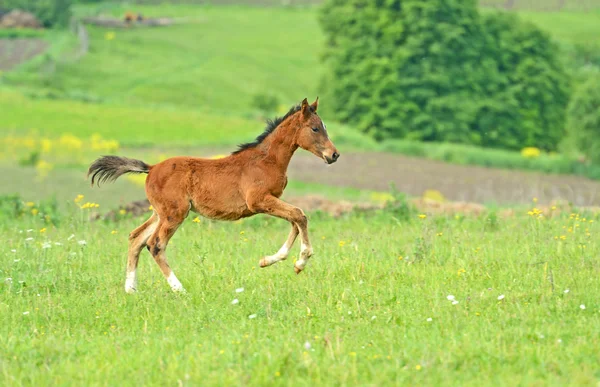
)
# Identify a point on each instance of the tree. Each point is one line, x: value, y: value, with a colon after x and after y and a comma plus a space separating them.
x: 436, y: 70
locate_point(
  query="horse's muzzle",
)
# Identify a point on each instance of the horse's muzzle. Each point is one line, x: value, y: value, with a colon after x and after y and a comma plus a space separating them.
x: 334, y: 156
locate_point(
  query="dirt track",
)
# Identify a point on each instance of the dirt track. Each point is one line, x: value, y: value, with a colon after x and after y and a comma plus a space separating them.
x: 457, y: 183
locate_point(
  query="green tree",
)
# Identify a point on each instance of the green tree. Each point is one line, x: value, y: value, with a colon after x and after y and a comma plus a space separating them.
x: 583, y: 121
x: 436, y: 70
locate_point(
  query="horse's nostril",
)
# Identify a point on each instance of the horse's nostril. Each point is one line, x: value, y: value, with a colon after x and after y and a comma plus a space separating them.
x: 335, y: 155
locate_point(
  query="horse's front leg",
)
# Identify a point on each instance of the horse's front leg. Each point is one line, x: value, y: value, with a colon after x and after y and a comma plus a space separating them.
x: 283, y: 252
x: 275, y: 207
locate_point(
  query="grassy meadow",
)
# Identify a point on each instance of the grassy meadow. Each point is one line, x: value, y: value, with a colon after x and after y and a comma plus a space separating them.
x: 386, y: 299
x: 391, y: 297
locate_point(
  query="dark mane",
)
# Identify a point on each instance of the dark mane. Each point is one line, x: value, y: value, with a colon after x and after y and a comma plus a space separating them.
x: 271, y: 126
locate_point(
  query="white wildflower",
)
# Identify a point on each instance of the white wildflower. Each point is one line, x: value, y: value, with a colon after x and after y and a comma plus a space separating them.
x: 307, y: 345
x: 454, y: 302
x: 29, y: 239
x: 566, y: 291
x: 429, y: 319
x: 14, y: 251
x: 373, y: 318
x: 71, y: 237
x: 26, y: 313
x: 239, y: 290
x: 582, y: 306
x: 252, y: 316
x: 501, y: 297
x: 82, y: 243
x: 450, y: 297
x: 46, y: 245
x: 235, y: 301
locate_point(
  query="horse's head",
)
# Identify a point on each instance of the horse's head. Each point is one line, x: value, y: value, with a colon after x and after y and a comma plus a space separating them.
x: 312, y: 133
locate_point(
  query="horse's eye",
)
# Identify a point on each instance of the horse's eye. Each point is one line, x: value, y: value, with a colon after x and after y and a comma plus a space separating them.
x: 315, y: 130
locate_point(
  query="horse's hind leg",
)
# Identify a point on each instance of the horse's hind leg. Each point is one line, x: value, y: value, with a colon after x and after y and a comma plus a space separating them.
x: 137, y: 241
x: 157, y: 244
x: 283, y: 252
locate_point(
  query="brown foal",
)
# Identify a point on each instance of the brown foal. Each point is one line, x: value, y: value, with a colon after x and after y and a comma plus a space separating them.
x: 245, y: 183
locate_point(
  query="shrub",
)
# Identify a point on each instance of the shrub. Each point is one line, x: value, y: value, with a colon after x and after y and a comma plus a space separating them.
x: 438, y: 71
x: 49, y: 12
x: 584, y: 118
x: 265, y: 103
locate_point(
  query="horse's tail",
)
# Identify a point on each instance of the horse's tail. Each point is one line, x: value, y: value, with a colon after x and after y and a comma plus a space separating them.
x: 109, y: 168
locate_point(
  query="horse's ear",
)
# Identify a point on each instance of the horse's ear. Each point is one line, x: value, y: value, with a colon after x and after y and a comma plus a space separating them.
x: 315, y: 104
x: 305, y: 109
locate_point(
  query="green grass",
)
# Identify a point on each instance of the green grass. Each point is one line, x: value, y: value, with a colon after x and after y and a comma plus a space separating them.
x: 220, y: 59
x: 568, y: 27
x: 358, y: 315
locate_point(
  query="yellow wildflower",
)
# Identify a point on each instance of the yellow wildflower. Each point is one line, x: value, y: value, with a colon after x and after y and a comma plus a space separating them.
x: 113, y: 232
x: 43, y: 230
x: 196, y: 220
x: 34, y: 211
x: 78, y: 198
x: 418, y: 367
x: 110, y: 35
x: 150, y: 208
x: 530, y: 152
x: 30, y: 204
x: 422, y: 216
x: 122, y: 211
x: 342, y: 243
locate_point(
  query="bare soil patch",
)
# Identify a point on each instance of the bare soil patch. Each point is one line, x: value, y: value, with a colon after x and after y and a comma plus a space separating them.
x: 458, y: 183
x: 13, y: 52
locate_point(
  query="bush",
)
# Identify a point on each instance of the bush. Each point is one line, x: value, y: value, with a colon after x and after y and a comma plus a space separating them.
x: 584, y: 118
x: 50, y: 12
x: 438, y: 71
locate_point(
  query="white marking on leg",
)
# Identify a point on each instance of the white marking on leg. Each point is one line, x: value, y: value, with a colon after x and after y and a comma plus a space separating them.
x: 305, y: 252
x: 130, y: 282
x: 174, y: 283
x: 282, y: 254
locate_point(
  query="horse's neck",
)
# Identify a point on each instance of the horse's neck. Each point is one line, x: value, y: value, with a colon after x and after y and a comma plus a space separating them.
x: 280, y: 148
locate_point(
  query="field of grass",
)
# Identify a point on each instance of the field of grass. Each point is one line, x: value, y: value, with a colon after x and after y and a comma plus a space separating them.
x: 431, y: 301
x: 219, y: 60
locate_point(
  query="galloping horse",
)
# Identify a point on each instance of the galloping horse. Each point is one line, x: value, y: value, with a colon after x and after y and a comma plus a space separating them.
x: 245, y: 183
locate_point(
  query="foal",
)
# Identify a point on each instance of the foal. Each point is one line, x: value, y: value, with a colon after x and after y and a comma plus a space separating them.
x: 245, y: 183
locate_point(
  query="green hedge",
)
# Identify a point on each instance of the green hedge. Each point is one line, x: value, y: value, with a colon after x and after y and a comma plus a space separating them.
x: 437, y: 70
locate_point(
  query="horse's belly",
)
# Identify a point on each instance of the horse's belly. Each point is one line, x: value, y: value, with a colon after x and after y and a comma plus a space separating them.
x: 232, y: 211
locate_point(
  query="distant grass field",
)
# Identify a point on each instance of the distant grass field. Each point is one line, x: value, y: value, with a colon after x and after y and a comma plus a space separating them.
x: 434, y: 301
x: 219, y: 60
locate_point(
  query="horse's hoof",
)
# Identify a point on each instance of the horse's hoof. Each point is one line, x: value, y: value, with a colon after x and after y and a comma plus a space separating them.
x: 130, y: 289
x: 297, y: 270
x: 263, y: 262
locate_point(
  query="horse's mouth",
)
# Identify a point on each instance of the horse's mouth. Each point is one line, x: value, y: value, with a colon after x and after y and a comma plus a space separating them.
x: 328, y: 160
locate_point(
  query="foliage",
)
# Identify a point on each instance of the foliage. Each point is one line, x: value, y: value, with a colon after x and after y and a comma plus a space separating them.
x: 438, y: 71
x: 46, y: 211
x: 49, y: 12
x: 584, y: 118
x: 266, y: 103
